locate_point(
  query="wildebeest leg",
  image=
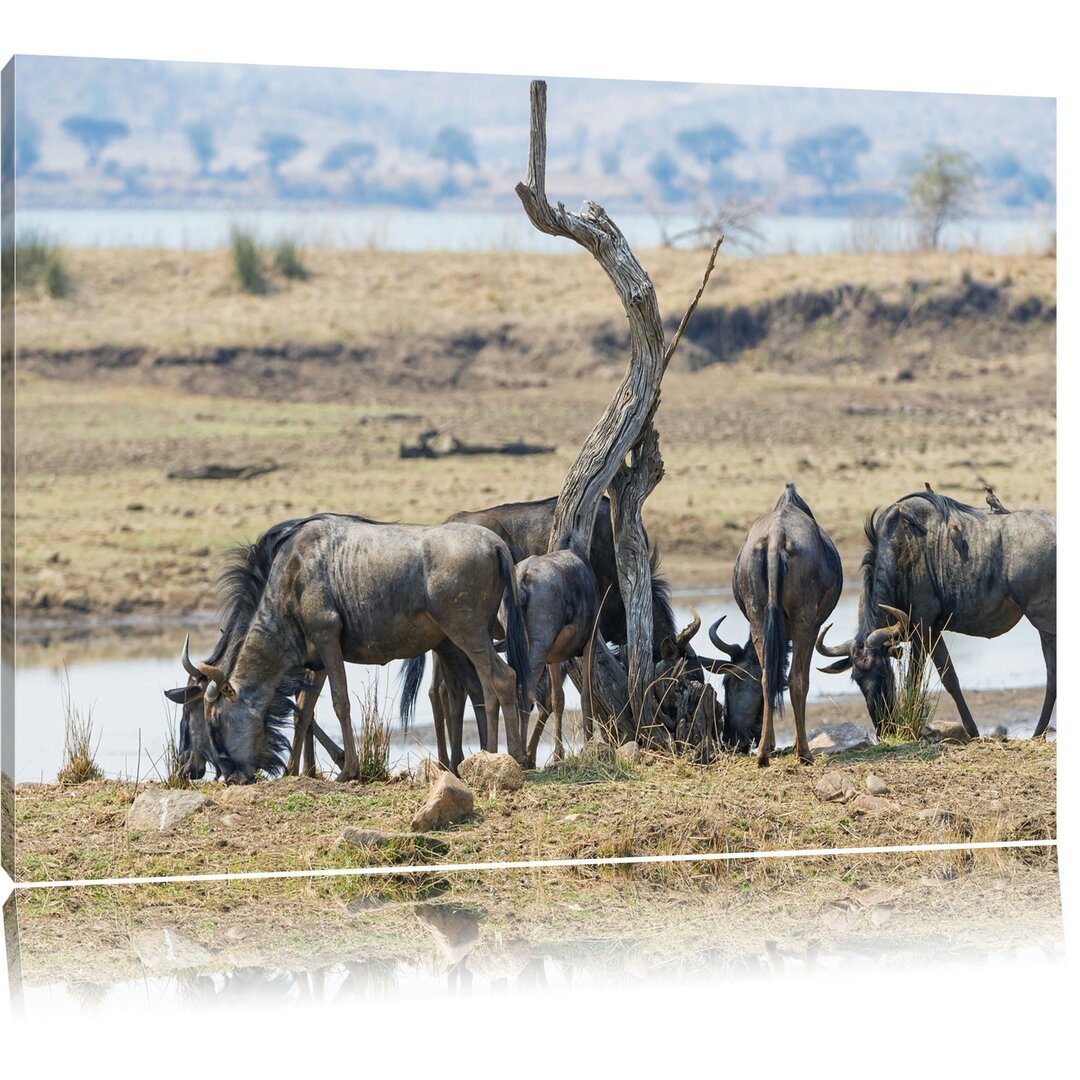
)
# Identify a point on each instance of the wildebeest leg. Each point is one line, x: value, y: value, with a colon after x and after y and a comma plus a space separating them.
x: 439, y: 711
x: 337, y: 755
x: 500, y: 691
x: 558, y: 704
x: 767, y: 743
x: 1049, y: 647
x: 537, y: 733
x: 302, y: 736
x: 798, y: 686
x: 328, y: 642
x: 943, y: 663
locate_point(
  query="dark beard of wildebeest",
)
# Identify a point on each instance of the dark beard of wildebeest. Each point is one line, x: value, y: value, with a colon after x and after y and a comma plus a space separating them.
x: 526, y: 529
x: 786, y: 580
x: 932, y: 564
x: 343, y: 588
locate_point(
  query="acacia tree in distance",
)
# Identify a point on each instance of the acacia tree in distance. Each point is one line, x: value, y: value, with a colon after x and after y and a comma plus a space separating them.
x: 712, y: 145
x: 95, y: 133
x: 829, y: 156
x: 355, y: 158
x: 454, y: 146
x: 279, y: 147
x: 939, y: 189
x: 200, y: 137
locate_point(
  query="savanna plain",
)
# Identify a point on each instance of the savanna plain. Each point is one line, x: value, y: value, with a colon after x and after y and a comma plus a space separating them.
x: 859, y: 377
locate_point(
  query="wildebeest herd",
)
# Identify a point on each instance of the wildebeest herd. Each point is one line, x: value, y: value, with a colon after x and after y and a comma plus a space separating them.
x: 312, y: 594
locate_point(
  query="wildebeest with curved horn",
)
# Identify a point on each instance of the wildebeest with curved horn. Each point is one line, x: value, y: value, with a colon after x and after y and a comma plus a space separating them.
x: 743, y: 705
x: 344, y: 588
x: 933, y: 563
x: 786, y: 581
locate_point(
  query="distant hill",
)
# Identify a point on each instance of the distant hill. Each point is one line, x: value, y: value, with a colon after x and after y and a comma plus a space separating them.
x: 196, y: 134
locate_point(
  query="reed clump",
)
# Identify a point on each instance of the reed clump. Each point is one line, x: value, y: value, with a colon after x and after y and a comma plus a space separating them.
x: 79, y: 744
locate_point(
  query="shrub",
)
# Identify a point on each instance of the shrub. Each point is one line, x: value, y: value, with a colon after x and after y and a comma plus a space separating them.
x: 247, y: 262
x: 288, y: 263
x: 915, y: 702
x: 373, y: 740
x: 38, y: 261
x: 79, y: 745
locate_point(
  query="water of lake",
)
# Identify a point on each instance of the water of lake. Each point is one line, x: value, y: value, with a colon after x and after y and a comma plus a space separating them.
x: 460, y: 230
x: 130, y: 711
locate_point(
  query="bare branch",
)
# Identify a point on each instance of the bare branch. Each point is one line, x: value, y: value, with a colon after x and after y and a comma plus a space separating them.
x: 670, y: 352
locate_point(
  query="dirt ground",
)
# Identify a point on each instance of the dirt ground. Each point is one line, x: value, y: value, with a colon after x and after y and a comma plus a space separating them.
x: 515, y: 929
x: 662, y: 805
x: 857, y: 377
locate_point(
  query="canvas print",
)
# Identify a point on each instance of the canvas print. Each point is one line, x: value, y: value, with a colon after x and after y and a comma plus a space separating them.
x: 414, y: 470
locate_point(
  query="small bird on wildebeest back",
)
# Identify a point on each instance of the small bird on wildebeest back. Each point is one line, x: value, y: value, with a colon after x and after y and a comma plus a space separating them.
x: 993, y: 501
x: 926, y: 484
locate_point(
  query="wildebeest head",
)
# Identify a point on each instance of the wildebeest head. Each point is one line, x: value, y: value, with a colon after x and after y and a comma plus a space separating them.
x: 224, y: 726
x: 191, y: 744
x: 744, y: 708
x: 869, y: 659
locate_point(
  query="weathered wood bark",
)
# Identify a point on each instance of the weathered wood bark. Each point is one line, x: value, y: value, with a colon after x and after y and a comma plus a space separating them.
x: 635, y: 399
x: 624, y: 431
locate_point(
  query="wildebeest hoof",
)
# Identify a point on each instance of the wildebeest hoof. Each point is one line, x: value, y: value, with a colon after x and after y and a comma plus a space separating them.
x: 345, y: 777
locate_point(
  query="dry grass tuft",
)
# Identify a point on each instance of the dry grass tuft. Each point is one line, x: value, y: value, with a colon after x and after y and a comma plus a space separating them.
x: 79, y: 744
x: 915, y: 702
x: 373, y: 739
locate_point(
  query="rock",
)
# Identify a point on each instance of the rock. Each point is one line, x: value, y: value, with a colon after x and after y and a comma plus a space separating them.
x: 449, y: 801
x: 629, y: 751
x: 492, y: 772
x: 868, y: 804
x: 837, y: 738
x: 999, y: 732
x: 879, y: 916
x: 455, y: 930
x: 164, y: 951
x: 834, y: 787
x: 499, y: 959
x: 428, y: 771
x: 159, y: 808
x: 942, y: 730
x: 230, y: 821
x: 366, y: 838
x: 875, y: 785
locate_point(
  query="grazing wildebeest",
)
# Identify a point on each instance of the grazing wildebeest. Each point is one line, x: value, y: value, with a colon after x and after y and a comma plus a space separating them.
x: 343, y: 588
x: 240, y: 585
x: 932, y: 564
x: 786, y: 580
x: 526, y: 529
x: 743, y: 705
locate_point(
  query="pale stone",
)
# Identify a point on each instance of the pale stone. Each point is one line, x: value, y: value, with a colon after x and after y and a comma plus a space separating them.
x: 449, y: 801
x: 834, y: 787
x: 942, y: 730
x: 837, y: 738
x: 875, y: 785
x: 164, y: 951
x: 159, y: 809
x: 486, y: 772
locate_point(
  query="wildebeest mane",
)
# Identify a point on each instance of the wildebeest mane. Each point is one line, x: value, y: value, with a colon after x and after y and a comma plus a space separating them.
x: 875, y: 570
x: 240, y: 587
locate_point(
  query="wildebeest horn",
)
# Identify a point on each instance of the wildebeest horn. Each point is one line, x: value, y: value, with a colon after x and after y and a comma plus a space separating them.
x: 833, y: 650
x: 185, y: 659
x: 732, y: 650
x: 684, y: 637
x: 895, y: 631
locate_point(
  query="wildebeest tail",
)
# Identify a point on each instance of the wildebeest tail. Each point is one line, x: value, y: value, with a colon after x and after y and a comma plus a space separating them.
x: 412, y: 675
x: 517, y: 646
x: 774, y: 662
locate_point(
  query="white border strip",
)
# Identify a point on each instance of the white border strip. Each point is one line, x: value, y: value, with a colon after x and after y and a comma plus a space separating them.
x: 539, y: 864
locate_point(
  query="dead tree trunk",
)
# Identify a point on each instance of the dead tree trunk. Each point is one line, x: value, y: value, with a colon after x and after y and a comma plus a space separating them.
x: 625, y: 429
